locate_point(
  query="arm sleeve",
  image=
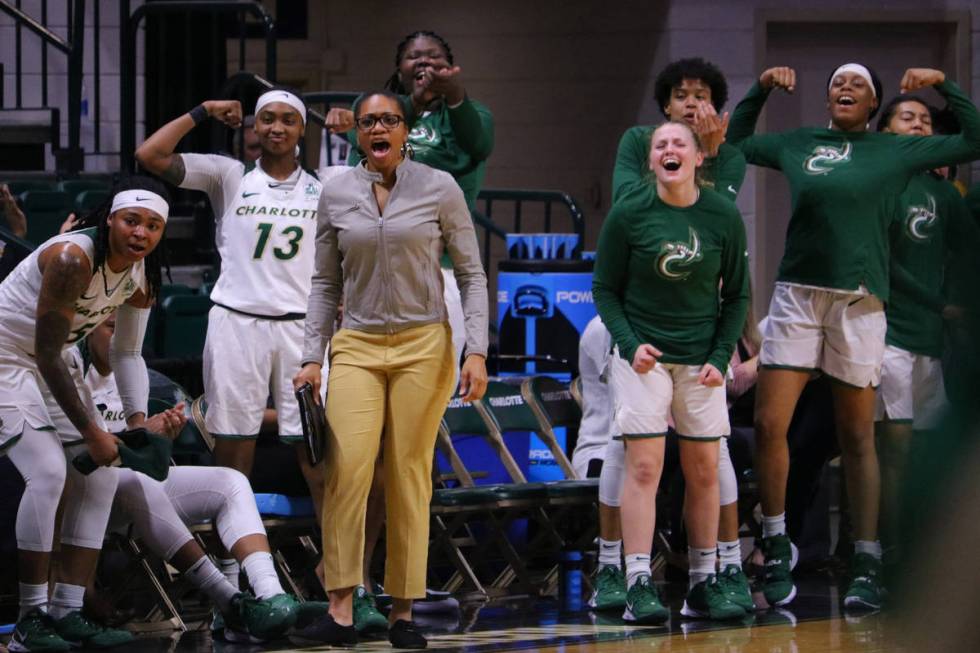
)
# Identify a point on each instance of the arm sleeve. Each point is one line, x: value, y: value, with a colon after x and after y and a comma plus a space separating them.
x: 631, y: 160
x: 325, y: 290
x: 459, y: 237
x: 126, y: 358
x: 207, y: 173
x: 609, y: 283
x: 734, y: 295
x: 726, y: 171
x: 925, y: 153
x: 473, y: 128
x: 760, y: 150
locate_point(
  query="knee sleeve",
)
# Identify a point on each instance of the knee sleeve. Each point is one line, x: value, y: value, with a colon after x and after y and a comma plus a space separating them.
x: 611, y: 477
x: 144, y: 502
x: 219, y: 494
x: 88, y: 502
x: 238, y: 516
x: 727, y: 482
x: 40, y: 459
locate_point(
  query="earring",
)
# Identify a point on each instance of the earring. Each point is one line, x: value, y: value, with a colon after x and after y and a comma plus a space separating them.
x: 407, y: 150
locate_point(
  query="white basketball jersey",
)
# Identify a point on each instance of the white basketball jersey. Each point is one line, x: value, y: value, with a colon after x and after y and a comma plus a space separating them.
x: 265, y: 234
x: 106, y: 291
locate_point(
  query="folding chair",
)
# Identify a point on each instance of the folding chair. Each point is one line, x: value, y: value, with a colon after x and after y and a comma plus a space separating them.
x: 289, y: 524
x: 496, y: 506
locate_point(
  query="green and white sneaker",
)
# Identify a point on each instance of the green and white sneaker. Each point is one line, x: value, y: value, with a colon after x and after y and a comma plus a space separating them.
x: 36, y: 631
x: 80, y: 631
x: 367, y: 617
x: 643, y: 604
x: 708, y: 599
x: 777, y: 580
x: 610, y: 589
x: 736, y: 587
x: 261, y: 620
x: 865, y: 591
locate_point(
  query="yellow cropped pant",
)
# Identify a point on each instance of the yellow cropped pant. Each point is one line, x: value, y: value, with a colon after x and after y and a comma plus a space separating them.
x: 396, y: 384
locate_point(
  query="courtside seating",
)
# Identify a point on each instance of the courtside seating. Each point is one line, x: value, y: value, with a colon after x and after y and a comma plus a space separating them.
x: 184, y: 326
x: 493, y: 505
x: 88, y: 200
x: 152, y: 346
x: 20, y: 186
x: 75, y: 186
x: 45, y: 210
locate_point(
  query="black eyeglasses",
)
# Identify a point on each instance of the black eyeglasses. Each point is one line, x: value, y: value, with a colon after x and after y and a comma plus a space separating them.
x: 388, y: 121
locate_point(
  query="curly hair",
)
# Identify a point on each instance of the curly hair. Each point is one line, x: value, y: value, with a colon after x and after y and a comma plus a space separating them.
x: 156, y: 261
x: 694, y: 68
x: 394, y: 83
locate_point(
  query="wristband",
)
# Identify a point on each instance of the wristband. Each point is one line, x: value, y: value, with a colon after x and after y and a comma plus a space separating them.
x: 198, y: 114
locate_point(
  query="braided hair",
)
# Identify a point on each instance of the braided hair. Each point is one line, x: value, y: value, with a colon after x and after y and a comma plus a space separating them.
x: 156, y: 261
x: 394, y: 83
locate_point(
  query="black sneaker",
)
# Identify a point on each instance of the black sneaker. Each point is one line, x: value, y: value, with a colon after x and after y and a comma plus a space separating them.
x: 324, y: 631
x: 405, y: 634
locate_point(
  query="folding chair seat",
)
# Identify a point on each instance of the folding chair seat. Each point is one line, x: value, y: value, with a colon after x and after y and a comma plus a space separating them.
x: 182, y: 331
x: 87, y: 200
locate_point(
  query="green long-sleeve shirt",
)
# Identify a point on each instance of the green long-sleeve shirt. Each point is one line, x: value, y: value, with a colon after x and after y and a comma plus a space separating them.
x: 457, y: 140
x: 843, y: 186
x: 973, y: 202
x: 657, y: 272
x: 932, y: 224
x: 724, y: 172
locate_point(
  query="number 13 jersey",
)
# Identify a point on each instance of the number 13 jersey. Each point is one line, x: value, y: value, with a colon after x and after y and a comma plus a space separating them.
x: 265, y: 233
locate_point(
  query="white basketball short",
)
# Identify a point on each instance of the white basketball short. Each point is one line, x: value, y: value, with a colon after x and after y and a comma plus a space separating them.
x: 840, y: 334
x: 25, y: 399
x: 643, y: 402
x: 247, y: 359
x: 911, y: 389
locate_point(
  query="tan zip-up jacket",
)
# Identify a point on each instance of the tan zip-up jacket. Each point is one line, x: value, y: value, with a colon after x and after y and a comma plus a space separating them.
x: 385, y: 266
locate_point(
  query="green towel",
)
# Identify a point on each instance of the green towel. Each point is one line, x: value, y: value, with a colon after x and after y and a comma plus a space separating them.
x: 140, y: 450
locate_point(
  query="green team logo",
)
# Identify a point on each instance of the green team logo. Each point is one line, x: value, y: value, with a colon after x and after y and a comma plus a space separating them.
x: 920, y: 219
x: 826, y: 157
x: 676, y: 258
x: 423, y: 134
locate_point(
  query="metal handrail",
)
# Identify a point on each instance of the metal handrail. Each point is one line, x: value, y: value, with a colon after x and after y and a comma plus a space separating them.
x: 129, y: 22
x: 36, y: 27
x: 548, y: 197
x: 71, y: 157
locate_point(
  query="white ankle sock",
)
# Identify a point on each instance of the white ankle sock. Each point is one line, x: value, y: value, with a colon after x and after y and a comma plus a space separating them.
x: 871, y: 548
x: 66, y: 598
x: 206, y: 577
x: 637, y: 566
x: 610, y: 553
x: 32, y: 596
x: 701, y: 564
x: 231, y: 570
x: 729, y: 553
x: 262, y: 575
x: 775, y: 525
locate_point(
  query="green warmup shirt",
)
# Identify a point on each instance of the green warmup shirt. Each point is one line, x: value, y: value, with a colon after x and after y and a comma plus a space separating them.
x: 724, y: 172
x: 931, y: 223
x: 973, y: 202
x: 657, y: 272
x: 457, y: 140
x: 844, y: 186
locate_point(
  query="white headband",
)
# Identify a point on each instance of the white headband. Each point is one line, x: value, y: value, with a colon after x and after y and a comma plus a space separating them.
x: 857, y: 69
x: 143, y: 199
x: 281, y: 96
